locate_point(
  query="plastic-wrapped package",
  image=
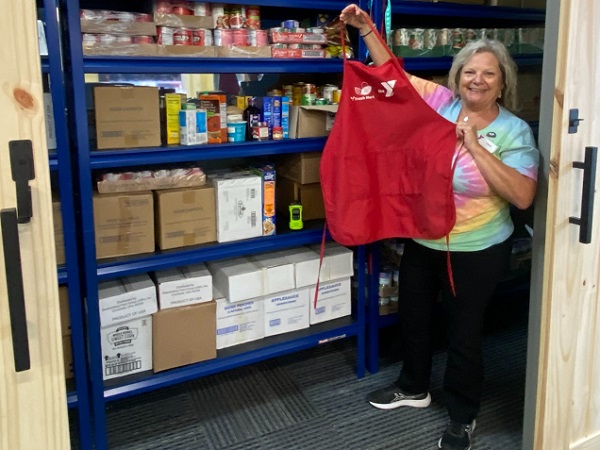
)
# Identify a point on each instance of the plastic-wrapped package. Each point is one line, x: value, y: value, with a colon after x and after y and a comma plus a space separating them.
x: 334, y: 31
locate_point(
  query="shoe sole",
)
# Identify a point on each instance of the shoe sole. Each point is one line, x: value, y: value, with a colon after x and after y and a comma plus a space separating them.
x: 423, y: 403
x: 440, y: 445
x: 473, y: 426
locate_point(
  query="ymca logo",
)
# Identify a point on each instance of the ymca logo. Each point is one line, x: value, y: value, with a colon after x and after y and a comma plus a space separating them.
x: 389, y: 87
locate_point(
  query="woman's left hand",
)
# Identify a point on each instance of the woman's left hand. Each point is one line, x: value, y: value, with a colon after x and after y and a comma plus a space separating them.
x: 468, y: 134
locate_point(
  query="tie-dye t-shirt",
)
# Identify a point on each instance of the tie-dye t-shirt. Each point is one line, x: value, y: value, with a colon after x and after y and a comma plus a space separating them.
x: 482, y: 217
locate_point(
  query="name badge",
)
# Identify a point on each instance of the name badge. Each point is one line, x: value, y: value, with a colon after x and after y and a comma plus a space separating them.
x: 487, y: 144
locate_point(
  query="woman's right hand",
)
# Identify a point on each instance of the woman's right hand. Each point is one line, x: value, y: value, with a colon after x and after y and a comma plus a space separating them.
x: 353, y: 15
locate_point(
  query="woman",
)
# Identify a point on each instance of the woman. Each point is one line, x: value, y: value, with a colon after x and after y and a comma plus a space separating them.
x: 496, y: 166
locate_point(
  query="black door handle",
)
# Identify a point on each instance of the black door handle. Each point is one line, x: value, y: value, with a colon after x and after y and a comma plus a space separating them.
x: 14, y: 283
x: 587, y: 195
x: 22, y: 169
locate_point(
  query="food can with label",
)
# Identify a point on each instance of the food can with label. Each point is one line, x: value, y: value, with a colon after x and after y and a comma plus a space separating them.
x: 277, y: 133
x: 120, y: 39
x: 219, y: 17
x: 236, y: 16
x: 202, y: 9
x: 309, y: 94
x: 258, y: 38
x: 241, y: 37
x: 321, y: 101
x: 253, y: 17
x: 165, y: 35
x: 327, y: 92
x: 297, y: 93
x: 90, y: 39
x: 143, y: 17
x: 183, y: 7
x: 287, y: 90
x: 163, y: 7
x: 182, y: 36
x: 202, y: 36
x: 457, y: 38
x: 143, y: 39
x: 335, y: 96
x: 222, y: 37
x: 107, y: 38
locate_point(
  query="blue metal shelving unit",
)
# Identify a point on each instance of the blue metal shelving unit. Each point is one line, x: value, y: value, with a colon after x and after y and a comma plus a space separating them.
x: 88, y: 160
x: 68, y: 275
x: 374, y: 321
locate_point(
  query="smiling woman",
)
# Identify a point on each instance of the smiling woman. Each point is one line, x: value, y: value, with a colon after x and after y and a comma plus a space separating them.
x: 496, y: 164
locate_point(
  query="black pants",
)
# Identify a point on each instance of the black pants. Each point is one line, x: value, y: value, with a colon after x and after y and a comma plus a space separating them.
x: 423, y: 273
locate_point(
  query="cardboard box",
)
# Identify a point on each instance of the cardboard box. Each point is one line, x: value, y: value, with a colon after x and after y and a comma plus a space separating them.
x: 126, y: 348
x: 333, y: 302
x: 183, y: 336
x: 124, y: 224
x: 309, y: 195
x: 239, y: 207
x: 286, y: 311
x: 119, y: 49
x: 337, y: 261
x: 183, y: 286
x: 103, y: 26
x: 306, y: 265
x: 126, y: 299
x: 277, y: 273
x: 127, y: 117
x: 59, y: 238
x: 302, y: 168
x: 239, y: 51
x: 529, y: 90
x: 239, y: 322
x: 185, y: 217
x: 68, y: 356
x: 269, y: 219
x: 237, y: 279
x: 192, y: 51
x: 65, y: 317
x: 311, y: 121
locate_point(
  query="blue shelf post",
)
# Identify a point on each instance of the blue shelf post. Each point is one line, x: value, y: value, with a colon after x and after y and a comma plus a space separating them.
x: 80, y: 399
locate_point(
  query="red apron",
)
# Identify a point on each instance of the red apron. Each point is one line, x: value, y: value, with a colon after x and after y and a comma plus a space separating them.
x: 386, y: 170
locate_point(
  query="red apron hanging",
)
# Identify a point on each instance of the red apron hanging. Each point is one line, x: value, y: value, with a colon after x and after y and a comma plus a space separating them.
x: 386, y: 169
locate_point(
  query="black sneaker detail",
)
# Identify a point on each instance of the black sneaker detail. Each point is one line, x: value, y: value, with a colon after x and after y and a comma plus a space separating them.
x: 393, y: 397
x: 457, y: 436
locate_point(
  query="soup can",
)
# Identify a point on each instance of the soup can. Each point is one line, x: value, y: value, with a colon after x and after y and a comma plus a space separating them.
x: 258, y: 38
x: 182, y: 36
x: 222, y: 37
x: 253, y: 17
x: 143, y: 40
x: 165, y: 35
x: 236, y: 16
x: 202, y: 36
x: 241, y: 37
x: 219, y: 17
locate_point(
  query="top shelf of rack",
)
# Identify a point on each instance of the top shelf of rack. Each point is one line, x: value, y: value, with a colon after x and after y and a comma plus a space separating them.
x: 468, y: 11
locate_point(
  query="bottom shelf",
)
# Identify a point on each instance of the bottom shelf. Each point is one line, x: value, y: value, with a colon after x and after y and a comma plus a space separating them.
x: 237, y: 356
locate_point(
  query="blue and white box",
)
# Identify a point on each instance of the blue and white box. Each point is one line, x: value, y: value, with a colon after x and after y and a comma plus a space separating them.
x: 286, y: 311
x: 333, y: 302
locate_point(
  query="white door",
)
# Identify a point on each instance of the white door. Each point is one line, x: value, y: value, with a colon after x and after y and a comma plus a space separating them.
x: 563, y: 387
x: 33, y: 402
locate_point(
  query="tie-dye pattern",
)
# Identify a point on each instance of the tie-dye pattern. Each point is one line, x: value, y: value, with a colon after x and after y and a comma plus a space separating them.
x: 482, y: 217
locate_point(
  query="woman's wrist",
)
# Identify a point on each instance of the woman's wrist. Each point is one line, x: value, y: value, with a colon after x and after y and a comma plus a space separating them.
x: 366, y: 33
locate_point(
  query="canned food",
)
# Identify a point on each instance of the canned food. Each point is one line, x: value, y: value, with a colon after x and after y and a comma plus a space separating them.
x: 297, y: 93
x: 416, y: 39
x: 143, y: 40
x: 260, y: 131
x: 202, y: 9
x: 107, y: 38
x: 202, y: 36
x: 236, y: 16
x: 182, y: 7
x: 222, y: 37
x: 443, y: 37
x: 321, y: 101
x: 92, y: 14
x: 309, y: 94
x: 165, y: 35
x: 241, y: 37
x: 182, y: 36
x: 336, y: 96
x: 219, y: 17
x: 458, y: 38
x: 400, y: 37
x: 123, y: 39
x: 327, y: 92
x: 277, y: 133
x: 287, y: 90
x: 253, y: 17
x: 258, y: 38
x: 290, y: 24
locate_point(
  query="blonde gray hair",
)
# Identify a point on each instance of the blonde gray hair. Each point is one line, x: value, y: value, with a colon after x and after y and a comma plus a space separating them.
x: 508, y: 68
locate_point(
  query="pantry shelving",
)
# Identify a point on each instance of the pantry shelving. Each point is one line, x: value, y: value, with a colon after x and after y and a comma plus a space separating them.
x: 69, y: 274
x: 89, y: 159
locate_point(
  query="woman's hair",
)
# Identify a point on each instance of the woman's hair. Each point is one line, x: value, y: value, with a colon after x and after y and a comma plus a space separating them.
x: 506, y: 63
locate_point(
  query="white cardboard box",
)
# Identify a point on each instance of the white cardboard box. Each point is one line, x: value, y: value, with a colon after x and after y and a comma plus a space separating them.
x: 337, y: 261
x: 237, y: 279
x: 277, y: 273
x: 239, y: 322
x: 183, y: 286
x: 126, y: 348
x: 334, y: 301
x: 239, y: 207
x: 286, y: 311
x: 306, y: 265
x: 126, y: 299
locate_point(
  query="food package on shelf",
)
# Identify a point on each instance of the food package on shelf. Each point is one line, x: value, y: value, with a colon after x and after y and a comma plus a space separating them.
x: 147, y: 180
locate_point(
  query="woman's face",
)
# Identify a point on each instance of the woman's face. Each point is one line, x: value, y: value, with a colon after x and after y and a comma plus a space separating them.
x: 480, y: 81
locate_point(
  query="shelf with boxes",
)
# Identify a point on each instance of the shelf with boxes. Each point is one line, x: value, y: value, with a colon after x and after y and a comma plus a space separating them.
x: 521, y: 29
x: 65, y: 222
x: 113, y: 264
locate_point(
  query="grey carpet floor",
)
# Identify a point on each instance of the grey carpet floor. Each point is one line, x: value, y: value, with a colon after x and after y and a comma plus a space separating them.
x: 312, y: 400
